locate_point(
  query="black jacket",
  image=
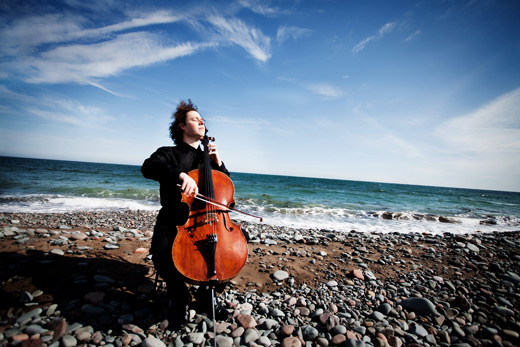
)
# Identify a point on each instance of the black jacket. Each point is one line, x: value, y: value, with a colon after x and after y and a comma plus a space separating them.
x: 165, y: 165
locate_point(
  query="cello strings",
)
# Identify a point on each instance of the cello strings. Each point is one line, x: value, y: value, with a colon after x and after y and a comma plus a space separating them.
x: 212, y: 207
x: 209, y: 186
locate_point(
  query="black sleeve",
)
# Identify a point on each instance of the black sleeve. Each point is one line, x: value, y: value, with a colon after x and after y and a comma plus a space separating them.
x: 161, y: 165
x: 221, y: 168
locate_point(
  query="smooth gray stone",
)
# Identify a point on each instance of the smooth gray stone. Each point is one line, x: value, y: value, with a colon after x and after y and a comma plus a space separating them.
x: 430, y: 339
x: 490, y: 331
x: 34, y: 329
x: 377, y: 316
x: 249, y: 336
x: 370, y: 275
x: 51, y: 309
x: 268, y: 324
x: 224, y: 341
x: 472, y: 247
x: 419, y: 305
x: 264, y: 341
x: 196, y: 338
x: 384, y: 308
x: 503, y: 311
x: 56, y: 251
x: 152, y: 342
x: 354, y: 343
x: 29, y: 315
x: 360, y: 329
x: 332, y: 283
x: 11, y: 332
x: 73, y: 327
x: 457, y: 329
x: 339, y: 329
x: 68, y: 341
x: 309, y: 333
x: 280, y: 275
x: 276, y: 313
x: 418, y: 330
x: 513, y: 277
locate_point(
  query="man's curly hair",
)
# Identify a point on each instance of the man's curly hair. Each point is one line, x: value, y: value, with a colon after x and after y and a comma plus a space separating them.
x: 179, y: 117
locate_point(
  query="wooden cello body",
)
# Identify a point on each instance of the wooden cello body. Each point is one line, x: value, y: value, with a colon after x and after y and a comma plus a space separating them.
x: 209, y: 247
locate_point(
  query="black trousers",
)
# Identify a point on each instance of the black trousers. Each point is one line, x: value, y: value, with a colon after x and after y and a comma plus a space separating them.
x: 161, y: 250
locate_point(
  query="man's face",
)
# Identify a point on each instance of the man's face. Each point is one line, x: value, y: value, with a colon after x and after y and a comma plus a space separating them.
x: 194, y: 127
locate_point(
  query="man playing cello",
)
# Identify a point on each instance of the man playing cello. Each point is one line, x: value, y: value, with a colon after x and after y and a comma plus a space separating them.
x: 170, y: 166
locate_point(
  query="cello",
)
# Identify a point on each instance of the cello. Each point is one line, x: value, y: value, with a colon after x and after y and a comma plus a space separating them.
x: 210, y: 247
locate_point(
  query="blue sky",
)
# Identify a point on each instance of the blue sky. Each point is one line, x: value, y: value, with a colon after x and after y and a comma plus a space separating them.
x: 417, y: 92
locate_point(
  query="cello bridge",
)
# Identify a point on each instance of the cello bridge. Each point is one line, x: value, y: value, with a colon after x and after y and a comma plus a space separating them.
x: 210, y: 218
x: 207, y: 219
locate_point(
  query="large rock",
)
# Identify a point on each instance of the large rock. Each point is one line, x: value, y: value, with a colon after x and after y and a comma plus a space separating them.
x: 421, y: 306
x: 152, y: 342
x: 309, y: 333
x: 291, y: 341
x: 280, y: 275
x: 246, y: 321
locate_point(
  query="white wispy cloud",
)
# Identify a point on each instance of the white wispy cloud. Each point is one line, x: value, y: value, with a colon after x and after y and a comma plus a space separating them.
x: 492, y: 129
x: 8, y: 94
x: 69, y: 48
x: 68, y: 111
x: 153, y: 18
x: 74, y: 106
x: 385, y: 29
x: 290, y: 32
x: 325, y: 90
x: 412, y: 36
x: 260, y: 6
x: 57, y: 110
x: 322, y: 89
x: 237, y: 32
x: 85, y: 63
x: 55, y: 28
x: 56, y: 116
x: 78, y: 119
x: 18, y: 36
x: 388, y: 27
x: 483, y: 145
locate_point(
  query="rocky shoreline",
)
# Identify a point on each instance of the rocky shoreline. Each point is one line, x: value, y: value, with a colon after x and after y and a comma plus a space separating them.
x: 86, y: 279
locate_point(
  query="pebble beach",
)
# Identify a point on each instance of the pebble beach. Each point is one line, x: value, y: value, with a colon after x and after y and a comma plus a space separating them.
x: 87, y: 279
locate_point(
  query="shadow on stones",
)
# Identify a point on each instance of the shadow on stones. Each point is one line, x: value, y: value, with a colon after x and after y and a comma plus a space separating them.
x: 124, y: 291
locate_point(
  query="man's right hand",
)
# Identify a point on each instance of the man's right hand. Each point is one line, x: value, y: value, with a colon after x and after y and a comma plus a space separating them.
x: 188, y: 184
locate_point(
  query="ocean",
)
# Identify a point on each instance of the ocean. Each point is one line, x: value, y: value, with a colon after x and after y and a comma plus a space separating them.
x: 51, y: 186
